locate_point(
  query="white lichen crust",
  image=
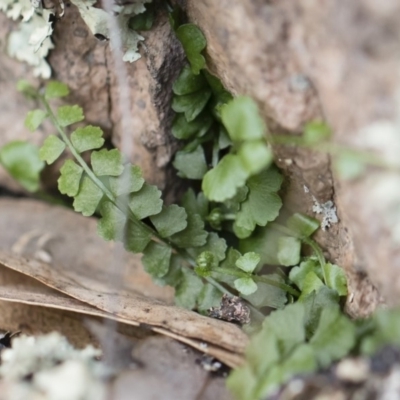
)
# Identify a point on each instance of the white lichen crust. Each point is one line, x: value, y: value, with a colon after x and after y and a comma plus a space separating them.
x: 49, y: 368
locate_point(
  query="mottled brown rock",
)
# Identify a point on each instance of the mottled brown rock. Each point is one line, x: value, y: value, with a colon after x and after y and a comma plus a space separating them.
x: 311, y: 60
x: 349, y: 52
x: 86, y: 64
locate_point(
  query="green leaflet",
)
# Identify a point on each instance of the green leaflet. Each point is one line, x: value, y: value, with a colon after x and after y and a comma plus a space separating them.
x: 182, y: 129
x: 267, y: 295
x: 336, y: 278
x: 143, y: 21
x: 280, y: 350
x: 214, y: 245
x: 188, y: 82
x: 242, y: 119
x: 245, y: 286
x: 156, y: 259
x: 221, y: 95
x: 68, y: 115
x: 298, y: 274
x: 174, y: 275
x: 147, y: 201
x: 255, y: 156
x: 22, y: 162
x: 170, y: 220
x: 289, y: 249
x: 70, y: 177
x: 209, y: 296
x: 191, y: 104
x: 110, y: 226
x: 222, y: 182
x: 314, y: 304
x: 107, y: 162
x: 334, y: 337
x: 88, y: 197
x: 195, y: 205
x: 193, y: 235
x: 193, y: 42
x: 263, y: 203
x: 87, y: 138
x: 34, y: 119
x: 55, y: 90
x: 288, y: 326
x: 129, y: 181
x: 188, y: 290
x: 301, y: 361
x: 309, y: 277
x: 248, y: 262
x: 136, y: 237
x: 312, y: 283
x: 51, y: 149
x: 302, y: 225
x: 191, y: 165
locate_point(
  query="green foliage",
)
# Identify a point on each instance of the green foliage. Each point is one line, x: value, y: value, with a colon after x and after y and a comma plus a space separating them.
x: 248, y: 262
x: 156, y: 259
x: 262, y: 204
x: 245, y: 286
x: 183, y: 129
x: 311, y: 276
x: 170, y: 220
x: 88, y: 197
x: 288, y: 251
x: 107, y: 162
x: 191, y: 164
x: 52, y: 149
x: 55, y: 90
x: 252, y: 156
x: 191, y: 104
x: 282, y: 350
x: 34, y: 119
x: 68, y: 115
x: 87, y: 138
x: 110, y: 226
x: 21, y: 160
x: 188, y: 82
x: 188, y: 290
x: 223, y: 181
x: 193, y: 42
x: 70, y: 177
x: 302, y: 225
x: 129, y: 181
x: 242, y: 120
x: 143, y: 21
x: 193, y: 235
x: 145, y: 202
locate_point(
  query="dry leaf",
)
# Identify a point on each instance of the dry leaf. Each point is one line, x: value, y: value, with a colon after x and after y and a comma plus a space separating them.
x: 80, y: 269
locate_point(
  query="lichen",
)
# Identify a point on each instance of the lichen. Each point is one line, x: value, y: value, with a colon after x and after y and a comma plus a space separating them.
x: 31, y: 41
x: 328, y: 211
x: 48, y: 367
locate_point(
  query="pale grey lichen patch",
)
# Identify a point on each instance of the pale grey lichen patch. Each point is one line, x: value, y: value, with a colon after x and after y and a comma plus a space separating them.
x: 328, y: 211
x: 48, y: 367
x: 31, y: 41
